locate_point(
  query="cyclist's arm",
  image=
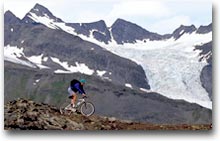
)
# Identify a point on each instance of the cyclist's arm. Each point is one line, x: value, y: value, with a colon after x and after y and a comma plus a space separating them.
x: 84, y: 95
x: 80, y: 89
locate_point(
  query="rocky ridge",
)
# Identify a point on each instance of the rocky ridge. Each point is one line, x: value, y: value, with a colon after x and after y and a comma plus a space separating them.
x: 27, y: 115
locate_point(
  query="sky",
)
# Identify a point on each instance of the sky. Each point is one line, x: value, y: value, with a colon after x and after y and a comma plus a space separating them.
x: 161, y: 16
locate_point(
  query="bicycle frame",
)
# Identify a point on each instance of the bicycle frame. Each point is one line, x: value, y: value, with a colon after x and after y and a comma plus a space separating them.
x: 80, y: 102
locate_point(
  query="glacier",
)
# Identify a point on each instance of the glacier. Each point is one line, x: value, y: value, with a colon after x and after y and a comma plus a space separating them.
x: 172, y: 66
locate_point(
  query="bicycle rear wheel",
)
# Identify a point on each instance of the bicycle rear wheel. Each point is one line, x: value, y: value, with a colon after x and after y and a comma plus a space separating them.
x: 87, y: 109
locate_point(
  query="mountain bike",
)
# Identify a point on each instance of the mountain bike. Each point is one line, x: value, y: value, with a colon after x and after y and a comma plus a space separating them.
x: 83, y: 106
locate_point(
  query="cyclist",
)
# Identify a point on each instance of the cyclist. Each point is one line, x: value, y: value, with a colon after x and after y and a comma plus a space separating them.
x: 76, y: 86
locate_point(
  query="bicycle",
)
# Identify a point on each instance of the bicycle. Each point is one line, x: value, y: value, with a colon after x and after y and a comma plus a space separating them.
x: 83, y: 106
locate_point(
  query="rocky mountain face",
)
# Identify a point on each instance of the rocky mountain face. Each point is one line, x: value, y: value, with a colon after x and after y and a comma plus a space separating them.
x: 204, y: 29
x: 182, y: 30
x: 206, y: 74
x: 24, y: 114
x: 98, y: 30
x: 127, y: 32
x: 9, y: 17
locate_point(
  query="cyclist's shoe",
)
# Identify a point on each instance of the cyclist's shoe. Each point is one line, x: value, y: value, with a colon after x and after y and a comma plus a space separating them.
x: 73, y: 109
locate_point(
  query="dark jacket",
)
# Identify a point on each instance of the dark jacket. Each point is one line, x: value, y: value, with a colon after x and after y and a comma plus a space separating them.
x: 76, y: 86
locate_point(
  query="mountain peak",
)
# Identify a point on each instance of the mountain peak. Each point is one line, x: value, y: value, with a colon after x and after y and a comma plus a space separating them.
x: 9, y: 17
x: 187, y: 26
x: 100, y: 21
x: 8, y: 12
x: 39, y: 6
x: 204, y: 29
x: 40, y: 11
x: 122, y: 21
x: 182, y: 30
x: 127, y: 32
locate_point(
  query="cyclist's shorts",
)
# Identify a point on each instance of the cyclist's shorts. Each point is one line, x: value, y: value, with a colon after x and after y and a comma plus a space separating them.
x: 71, y: 92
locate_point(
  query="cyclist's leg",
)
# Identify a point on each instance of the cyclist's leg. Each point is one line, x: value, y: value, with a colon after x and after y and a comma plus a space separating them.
x: 74, y: 97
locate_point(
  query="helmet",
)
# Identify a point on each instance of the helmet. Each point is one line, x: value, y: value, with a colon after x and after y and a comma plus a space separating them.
x: 82, y: 81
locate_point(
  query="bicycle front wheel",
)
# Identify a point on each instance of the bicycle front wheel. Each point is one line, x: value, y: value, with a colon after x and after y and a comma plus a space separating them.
x: 87, y: 109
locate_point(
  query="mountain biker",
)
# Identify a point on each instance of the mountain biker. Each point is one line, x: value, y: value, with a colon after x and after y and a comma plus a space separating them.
x: 76, y: 86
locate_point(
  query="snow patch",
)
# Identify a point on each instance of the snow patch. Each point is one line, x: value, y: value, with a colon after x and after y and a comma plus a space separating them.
x: 145, y: 90
x: 106, y: 78
x: 113, y: 42
x: 62, y: 71
x: 95, y: 30
x: 44, y: 20
x: 128, y: 85
x: 36, y: 9
x: 13, y: 53
x: 100, y: 73
x: 181, y: 32
x: 45, y: 59
x: 47, y: 16
x: 36, y: 81
x: 37, y: 59
x: 80, y: 67
x: 206, y: 56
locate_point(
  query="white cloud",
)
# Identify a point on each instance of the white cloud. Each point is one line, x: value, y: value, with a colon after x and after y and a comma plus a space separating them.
x: 169, y: 25
x: 89, y: 16
x: 139, y: 8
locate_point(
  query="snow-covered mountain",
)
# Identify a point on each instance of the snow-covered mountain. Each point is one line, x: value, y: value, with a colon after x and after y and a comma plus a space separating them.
x: 171, y: 62
x: 39, y: 47
x: 120, y: 32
